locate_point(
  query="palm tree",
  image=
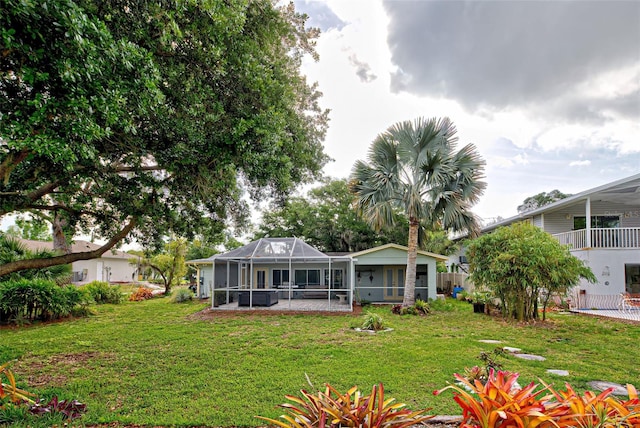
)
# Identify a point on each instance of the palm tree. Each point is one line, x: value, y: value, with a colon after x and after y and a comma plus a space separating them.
x: 413, y: 167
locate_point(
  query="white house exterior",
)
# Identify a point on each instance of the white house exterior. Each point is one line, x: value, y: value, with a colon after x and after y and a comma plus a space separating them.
x: 280, y: 271
x: 609, y: 243
x: 113, y: 266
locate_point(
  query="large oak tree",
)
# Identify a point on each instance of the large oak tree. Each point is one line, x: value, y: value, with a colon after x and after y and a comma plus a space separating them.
x: 133, y: 119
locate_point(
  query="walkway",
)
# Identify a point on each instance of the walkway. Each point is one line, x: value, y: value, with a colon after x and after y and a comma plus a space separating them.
x: 628, y: 315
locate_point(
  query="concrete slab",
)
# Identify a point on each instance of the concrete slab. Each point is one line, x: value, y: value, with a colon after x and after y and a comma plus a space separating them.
x: 512, y: 350
x: 558, y: 372
x: 489, y: 341
x: 602, y: 385
x: 530, y: 357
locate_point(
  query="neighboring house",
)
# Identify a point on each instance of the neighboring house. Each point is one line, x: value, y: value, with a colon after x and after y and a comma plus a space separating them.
x: 113, y: 266
x: 281, y: 270
x: 609, y: 243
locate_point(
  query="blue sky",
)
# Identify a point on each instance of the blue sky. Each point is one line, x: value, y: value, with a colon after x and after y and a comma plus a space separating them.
x: 548, y: 91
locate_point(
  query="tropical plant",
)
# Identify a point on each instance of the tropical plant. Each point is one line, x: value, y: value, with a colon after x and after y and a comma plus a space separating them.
x: 372, y: 321
x: 351, y: 409
x: 12, y: 249
x: 420, y: 307
x: 499, y: 402
x: 69, y: 409
x: 37, y: 299
x: 413, y: 168
x: 9, y: 391
x: 521, y: 265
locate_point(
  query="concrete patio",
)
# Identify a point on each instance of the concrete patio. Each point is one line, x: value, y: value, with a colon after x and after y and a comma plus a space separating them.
x: 317, y: 305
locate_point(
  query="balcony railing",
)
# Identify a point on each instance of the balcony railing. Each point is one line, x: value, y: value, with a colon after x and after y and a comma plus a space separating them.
x: 619, y: 237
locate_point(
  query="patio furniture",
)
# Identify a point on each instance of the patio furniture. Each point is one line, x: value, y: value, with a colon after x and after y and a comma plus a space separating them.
x: 342, y: 298
x: 266, y: 297
x: 629, y: 301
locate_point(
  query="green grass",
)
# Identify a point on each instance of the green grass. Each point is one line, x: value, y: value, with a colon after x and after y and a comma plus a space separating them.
x: 150, y: 363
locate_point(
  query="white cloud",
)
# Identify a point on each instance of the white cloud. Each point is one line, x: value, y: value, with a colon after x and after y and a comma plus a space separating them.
x: 568, y: 115
x: 580, y: 163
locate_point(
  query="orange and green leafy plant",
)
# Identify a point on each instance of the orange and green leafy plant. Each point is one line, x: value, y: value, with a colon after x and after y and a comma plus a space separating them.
x: 142, y: 293
x: 351, y: 409
x: 9, y: 391
x: 499, y: 402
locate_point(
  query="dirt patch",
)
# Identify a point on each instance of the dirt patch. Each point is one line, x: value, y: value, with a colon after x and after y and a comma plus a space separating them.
x: 54, y: 371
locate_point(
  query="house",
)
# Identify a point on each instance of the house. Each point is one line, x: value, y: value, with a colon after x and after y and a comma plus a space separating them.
x: 293, y: 275
x: 113, y: 266
x: 609, y: 242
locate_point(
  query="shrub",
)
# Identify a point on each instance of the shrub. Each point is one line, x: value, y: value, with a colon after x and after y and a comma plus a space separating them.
x: 142, y: 293
x: 69, y: 409
x: 419, y: 308
x: 351, y: 409
x: 183, y: 295
x: 101, y: 292
x: 36, y: 299
x: 373, y: 322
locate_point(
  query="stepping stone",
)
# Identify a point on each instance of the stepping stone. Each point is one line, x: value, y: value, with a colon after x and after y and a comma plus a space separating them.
x: 601, y: 386
x: 558, y: 372
x: 512, y: 350
x: 489, y: 341
x: 530, y: 357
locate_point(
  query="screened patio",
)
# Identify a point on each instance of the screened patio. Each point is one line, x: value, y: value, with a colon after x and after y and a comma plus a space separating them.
x: 276, y: 274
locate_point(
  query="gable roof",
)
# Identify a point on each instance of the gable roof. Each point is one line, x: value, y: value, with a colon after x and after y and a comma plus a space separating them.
x: 625, y: 191
x: 273, y: 250
x: 398, y: 247
x: 77, y: 246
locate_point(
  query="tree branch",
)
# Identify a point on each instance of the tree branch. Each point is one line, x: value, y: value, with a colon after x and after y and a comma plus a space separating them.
x: 19, y: 265
x: 11, y: 161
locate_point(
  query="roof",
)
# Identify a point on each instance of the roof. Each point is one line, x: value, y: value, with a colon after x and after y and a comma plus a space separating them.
x: 272, y: 250
x: 398, y: 247
x: 625, y: 191
x: 77, y: 246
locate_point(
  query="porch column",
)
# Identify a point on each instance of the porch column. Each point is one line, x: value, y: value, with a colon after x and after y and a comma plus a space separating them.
x: 213, y: 282
x: 329, y: 285
x: 198, y: 281
x: 228, y: 278
x: 352, y: 282
x: 290, y: 282
x: 250, y: 284
x: 587, y: 208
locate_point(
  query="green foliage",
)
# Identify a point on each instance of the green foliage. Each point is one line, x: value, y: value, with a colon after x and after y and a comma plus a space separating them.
x: 325, y: 219
x: 11, y: 249
x: 420, y: 307
x: 414, y: 168
x: 102, y: 292
x: 540, y: 200
x: 170, y: 264
x: 182, y: 295
x: 373, y: 321
x: 34, y: 228
x: 156, y: 118
x: 36, y: 299
x: 351, y: 409
x: 519, y: 262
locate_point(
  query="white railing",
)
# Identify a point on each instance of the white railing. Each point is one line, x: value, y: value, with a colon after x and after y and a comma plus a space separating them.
x: 619, y: 237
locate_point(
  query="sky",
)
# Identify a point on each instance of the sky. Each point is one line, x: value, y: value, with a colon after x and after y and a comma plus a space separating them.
x: 548, y: 91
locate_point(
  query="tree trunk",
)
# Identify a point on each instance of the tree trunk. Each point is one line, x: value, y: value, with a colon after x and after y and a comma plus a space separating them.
x: 412, y: 258
x: 59, y: 239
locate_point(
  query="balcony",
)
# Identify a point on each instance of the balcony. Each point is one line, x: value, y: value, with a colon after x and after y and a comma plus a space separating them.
x: 619, y: 237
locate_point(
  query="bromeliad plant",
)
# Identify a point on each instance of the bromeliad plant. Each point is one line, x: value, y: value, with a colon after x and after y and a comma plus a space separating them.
x: 498, y: 402
x: 9, y: 392
x: 351, y: 409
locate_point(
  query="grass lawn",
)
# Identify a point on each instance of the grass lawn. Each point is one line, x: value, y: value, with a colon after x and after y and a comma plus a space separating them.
x: 151, y: 363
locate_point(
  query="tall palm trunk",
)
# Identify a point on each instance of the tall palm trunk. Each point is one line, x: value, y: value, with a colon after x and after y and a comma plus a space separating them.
x: 412, y: 260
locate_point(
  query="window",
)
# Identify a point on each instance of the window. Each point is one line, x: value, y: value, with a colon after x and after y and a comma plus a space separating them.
x: 599, y: 221
x: 337, y: 278
x: 280, y: 277
x: 307, y: 277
